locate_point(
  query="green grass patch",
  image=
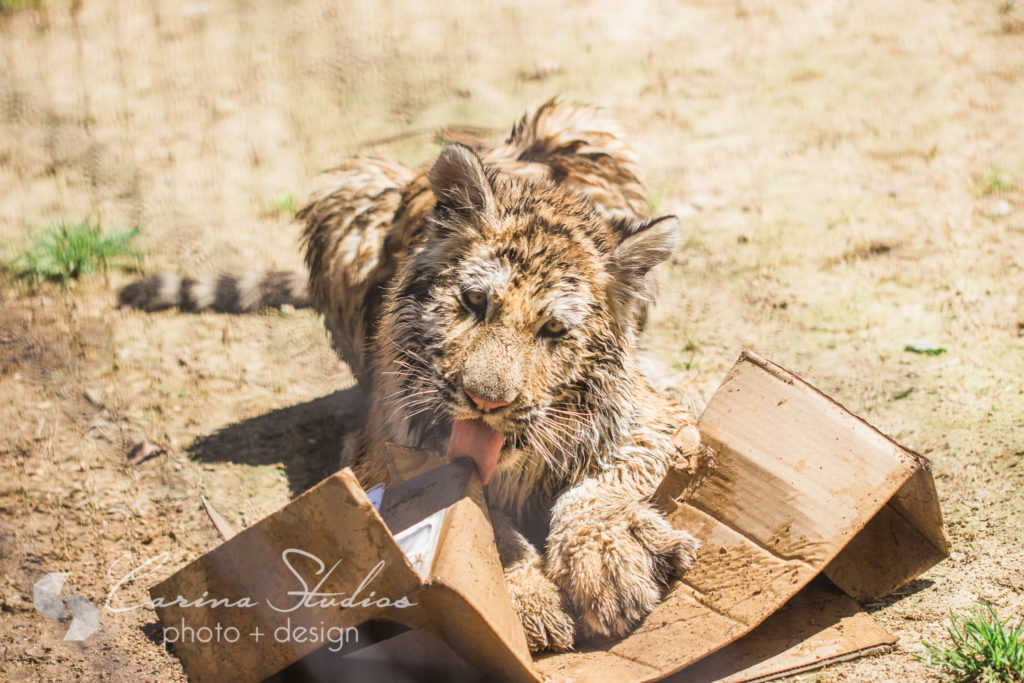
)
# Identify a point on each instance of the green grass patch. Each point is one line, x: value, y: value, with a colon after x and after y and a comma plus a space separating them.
x: 285, y: 203
x: 985, y: 649
x: 11, y: 5
x: 925, y: 347
x: 653, y: 200
x: 64, y: 252
x: 997, y: 182
x: 693, y: 362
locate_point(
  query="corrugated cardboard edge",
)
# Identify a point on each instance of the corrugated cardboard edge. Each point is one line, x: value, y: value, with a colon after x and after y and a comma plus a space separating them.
x: 819, y: 626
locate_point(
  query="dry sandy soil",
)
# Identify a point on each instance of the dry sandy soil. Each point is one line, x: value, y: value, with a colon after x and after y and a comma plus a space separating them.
x: 850, y: 176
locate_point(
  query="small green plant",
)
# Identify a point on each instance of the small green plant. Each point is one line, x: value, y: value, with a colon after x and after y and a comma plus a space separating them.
x: 985, y: 649
x: 998, y: 181
x: 691, y: 363
x: 654, y: 199
x: 925, y: 347
x: 67, y: 251
x: 285, y: 204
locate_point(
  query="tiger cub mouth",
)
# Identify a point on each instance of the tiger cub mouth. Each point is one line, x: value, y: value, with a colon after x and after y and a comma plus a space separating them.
x: 476, y: 440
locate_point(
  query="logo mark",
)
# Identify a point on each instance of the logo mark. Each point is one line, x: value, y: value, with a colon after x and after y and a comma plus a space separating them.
x: 85, y: 618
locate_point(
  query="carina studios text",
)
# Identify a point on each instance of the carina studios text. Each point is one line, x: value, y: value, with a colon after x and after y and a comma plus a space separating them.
x: 303, y: 597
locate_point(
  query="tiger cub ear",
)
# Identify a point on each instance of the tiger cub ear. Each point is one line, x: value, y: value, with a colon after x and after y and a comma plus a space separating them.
x: 460, y: 184
x: 644, y: 245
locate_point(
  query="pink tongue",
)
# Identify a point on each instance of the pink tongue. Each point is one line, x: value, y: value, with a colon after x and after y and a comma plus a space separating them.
x: 474, y: 439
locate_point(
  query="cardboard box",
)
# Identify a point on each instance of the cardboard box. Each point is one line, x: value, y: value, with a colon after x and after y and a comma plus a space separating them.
x: 799, y: 488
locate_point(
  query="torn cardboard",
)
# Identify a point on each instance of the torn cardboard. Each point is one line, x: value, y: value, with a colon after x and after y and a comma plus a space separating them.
x: 819, y: 626
x: 800, y: 487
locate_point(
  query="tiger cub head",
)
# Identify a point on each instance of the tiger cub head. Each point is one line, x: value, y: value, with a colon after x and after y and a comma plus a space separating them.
x: 509, y: 333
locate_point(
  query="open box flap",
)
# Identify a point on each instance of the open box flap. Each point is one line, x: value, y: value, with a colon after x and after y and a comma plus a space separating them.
x: 468, y: 601
x: 464, y: 588
x: 910, y: 521
x: 333, y: 522
x: 456, y: 587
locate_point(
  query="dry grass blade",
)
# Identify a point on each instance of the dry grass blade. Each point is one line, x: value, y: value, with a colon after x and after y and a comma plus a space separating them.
x: 219, y: 523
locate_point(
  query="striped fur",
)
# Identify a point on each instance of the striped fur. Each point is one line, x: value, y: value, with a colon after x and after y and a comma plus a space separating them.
x: 227, y: 294
x: 550, y: 226
x: 360, y: 227
x: 549, y: 234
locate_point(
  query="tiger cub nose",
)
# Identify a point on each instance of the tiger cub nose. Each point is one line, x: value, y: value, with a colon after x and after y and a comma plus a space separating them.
x: 483, y: 404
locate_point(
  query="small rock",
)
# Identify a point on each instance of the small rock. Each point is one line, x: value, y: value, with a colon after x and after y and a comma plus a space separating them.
x: 699, y: 203
x: 143, y: 450
x: 541, y: 70
x: 998, y: 208
x: 15, y: 603
x: 141, y: 505
x: 195, y: 10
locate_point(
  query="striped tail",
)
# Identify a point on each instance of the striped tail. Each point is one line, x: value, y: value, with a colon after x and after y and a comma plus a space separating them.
x: 226, y: 293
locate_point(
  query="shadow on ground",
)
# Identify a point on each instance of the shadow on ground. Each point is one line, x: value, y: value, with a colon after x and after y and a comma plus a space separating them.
x: 306, y: 438
x: 906, y: 590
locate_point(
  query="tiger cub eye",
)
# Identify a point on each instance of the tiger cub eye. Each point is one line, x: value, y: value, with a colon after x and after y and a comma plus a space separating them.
x: 553, y: 328
x: 475, y: 301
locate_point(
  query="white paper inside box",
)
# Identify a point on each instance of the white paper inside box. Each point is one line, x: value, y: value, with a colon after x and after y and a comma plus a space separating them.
x: 799, y: 487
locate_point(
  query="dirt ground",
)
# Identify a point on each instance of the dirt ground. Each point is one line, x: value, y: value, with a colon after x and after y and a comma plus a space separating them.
x: 849, y: 175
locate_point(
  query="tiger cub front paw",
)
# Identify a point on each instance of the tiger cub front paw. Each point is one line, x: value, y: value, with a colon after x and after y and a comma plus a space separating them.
x: 615, y: 566
x: 541, y: 608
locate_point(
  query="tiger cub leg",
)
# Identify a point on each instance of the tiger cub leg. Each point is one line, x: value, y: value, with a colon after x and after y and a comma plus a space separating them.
x: 539, y: 602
